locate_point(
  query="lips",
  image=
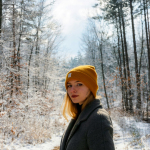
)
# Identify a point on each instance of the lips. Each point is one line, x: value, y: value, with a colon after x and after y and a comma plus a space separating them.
x: 74, y: 96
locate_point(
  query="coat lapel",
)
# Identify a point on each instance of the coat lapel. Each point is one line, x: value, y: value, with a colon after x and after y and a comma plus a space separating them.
x: 66, y: 134
x: 77, y: 123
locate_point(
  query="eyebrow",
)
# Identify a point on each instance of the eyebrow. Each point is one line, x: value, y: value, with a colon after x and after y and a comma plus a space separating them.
x: 70, y: 83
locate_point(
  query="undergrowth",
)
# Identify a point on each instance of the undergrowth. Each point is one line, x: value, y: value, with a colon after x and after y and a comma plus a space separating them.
x: 30, y: 124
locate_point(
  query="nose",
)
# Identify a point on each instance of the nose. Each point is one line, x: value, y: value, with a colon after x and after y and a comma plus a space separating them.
x: 73, y: 89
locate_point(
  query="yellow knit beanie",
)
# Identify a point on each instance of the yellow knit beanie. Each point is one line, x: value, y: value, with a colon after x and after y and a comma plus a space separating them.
x: 86, y: 74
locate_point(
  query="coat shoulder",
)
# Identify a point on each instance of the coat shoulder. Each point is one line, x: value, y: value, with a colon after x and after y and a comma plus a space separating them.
x: 99, y: 115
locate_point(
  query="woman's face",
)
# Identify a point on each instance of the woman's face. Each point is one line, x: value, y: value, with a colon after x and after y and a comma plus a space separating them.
x: 77, y: 91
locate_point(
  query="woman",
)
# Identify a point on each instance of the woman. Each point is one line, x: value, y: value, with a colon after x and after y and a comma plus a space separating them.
x: 90, y: 127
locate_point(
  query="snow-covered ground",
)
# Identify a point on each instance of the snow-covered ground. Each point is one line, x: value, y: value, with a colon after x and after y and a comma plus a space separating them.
x: 130, y: 135
x: 126, y: 140
x: 49, y: 145
x: 42, y: 129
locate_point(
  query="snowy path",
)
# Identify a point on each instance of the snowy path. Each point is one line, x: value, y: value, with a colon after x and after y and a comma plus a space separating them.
x: 121, y: 139
x: 125, y: 141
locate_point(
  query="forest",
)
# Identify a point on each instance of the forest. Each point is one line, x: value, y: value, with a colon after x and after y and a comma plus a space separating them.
x: 32, y: 70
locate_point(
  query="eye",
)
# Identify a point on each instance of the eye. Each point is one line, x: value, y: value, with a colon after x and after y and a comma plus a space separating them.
x: 79, y: 84
x: 69, y: 85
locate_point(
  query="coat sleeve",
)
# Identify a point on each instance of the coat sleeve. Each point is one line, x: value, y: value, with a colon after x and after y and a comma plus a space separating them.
x: 100, y: 133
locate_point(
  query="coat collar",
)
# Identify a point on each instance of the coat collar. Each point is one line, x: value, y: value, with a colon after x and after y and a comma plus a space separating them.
x: 89, y: 109
x: 82, y: 117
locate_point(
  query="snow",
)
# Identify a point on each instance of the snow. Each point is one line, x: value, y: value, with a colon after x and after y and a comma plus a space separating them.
x: 130, y: 133
x: 124, y: 139
x: 121, y: 140
x: 45, y: 146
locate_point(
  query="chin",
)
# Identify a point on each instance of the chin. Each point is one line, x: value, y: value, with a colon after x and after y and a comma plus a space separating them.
x: 74, y: 101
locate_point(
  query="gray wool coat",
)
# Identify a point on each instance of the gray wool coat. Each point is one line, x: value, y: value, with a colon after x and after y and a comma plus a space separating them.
x: 92, y: 130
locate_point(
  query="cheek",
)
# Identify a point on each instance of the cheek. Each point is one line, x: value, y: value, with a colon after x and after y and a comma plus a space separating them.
x: 88, y: 92
x: 68, y: 91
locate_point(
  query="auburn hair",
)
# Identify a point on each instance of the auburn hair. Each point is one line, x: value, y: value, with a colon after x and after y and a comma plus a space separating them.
x: 70, y: 108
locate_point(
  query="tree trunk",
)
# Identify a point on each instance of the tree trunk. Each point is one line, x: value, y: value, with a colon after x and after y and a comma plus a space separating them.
x: 142, y: 48
x: 1, y: 50
x: 37, y: 51
x: 138, y: 105
x: 127, y: 62
x: 148, y: 48
x: 124, y: 65
x: 29, y: 63
x: 148, y: 52
x: 100, y: 48
x: 1, y: 5
x: 19, y: 45
x: 13, y: 57
x: 120, y: 64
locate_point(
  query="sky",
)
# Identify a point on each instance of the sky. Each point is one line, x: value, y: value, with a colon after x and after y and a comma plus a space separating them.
x: 72, y: 15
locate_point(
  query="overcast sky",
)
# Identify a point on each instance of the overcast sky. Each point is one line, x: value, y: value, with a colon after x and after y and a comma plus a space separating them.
x: 72, y: 15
